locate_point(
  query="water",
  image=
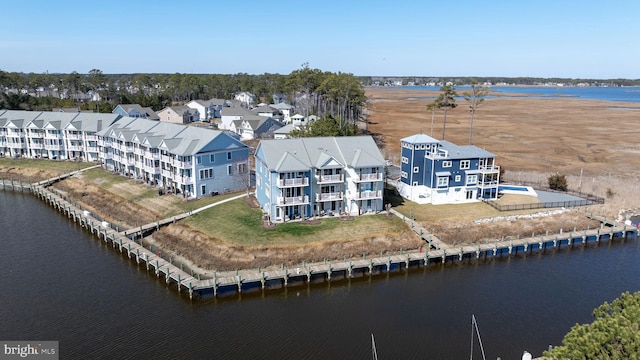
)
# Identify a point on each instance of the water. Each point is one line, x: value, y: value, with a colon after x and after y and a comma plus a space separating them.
x: 614, y: 94
x: 60, y: 283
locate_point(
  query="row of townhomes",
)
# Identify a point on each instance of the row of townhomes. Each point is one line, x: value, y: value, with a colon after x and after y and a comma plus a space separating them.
x: 439, y: 172
x: 305, y: 177
x: 52, y: 135
x: 190, y: 161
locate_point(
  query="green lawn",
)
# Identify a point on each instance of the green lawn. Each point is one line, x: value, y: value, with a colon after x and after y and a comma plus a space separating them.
x: 237, y: 223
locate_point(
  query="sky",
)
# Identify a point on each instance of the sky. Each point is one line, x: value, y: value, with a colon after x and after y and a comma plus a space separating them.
x: 509, y: 38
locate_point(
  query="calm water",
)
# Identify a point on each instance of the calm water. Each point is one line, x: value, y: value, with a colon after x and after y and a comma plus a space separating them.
x: 616, y: 94
x: 59, y: 283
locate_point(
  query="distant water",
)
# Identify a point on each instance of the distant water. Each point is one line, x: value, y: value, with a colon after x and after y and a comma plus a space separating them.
x: 60, y: 283
x: 616, y: 94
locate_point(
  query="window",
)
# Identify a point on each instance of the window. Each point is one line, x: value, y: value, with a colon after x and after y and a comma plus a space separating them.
x: 405, y: 160
x: 415, y: 183
x: 464, y: 164
x: 212, y: 158
x: 206, y: 173
x: 229, y: 168
x: 199, y: 160
x: 443, y: 181
x: 229, y: 155
x: 242, y: 168
x: 472, y: 179
x: 203, y: 189
x: 416, y: 169
x: 404, y: 174
x: 457, y: 178
x: 446, y: 164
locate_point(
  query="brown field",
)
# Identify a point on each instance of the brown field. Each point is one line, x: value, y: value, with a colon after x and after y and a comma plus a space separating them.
x: 532, y: 137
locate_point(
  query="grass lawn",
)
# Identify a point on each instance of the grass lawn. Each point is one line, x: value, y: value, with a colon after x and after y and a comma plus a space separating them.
x: 237, y: 223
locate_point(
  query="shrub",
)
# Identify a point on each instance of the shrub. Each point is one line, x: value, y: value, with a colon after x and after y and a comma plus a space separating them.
x: 558, y: 182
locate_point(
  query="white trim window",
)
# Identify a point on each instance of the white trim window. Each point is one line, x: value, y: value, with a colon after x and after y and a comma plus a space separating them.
x: 199, y: 160
x: 212, y: 158
x: 206, y: 174
x: 404, y: 174
x: 415, y: 183
x: 405, y: 160
x: 229, y: 169
x: 416, y: 169
x: 465, y: 164
x: 458, y: 178
x: 446, y: 164
x: 472, y: 179
x: 443, y: 181
x: 229, y: 155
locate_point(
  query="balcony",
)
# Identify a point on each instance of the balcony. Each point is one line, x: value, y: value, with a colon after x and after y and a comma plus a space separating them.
x: 369, y: 194
x: 74, y: 148
x: 150, y: 155
x: 13, y: 145
x: 107, y: 156
x: 52, y: 136
x: 55, y: 147
x: 293, y: 182
x: 295, y: 200
x: 36, y: 145
x: 326, y: 179
x: 90, y: 137
x: 368, y: 177
x: 329, y: 196
x: 489, y: 169
x: 151, y: 169
x: 74, y: 136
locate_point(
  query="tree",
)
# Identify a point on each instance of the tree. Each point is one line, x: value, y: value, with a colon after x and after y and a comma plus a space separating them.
x: 446, y: 101
x: 475, y: 97
x: 326, y: 126
x: 432, y: 107
x: 614, y: 334
x: 242, y: 174
x: 558, y: 182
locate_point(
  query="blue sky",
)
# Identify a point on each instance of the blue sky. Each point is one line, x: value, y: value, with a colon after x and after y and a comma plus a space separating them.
x: 557, y: 38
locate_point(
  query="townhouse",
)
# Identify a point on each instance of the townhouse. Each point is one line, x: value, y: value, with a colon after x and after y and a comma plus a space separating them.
x: 52, y: 135
x: 190, y: 161
x: 440, y: 172
x: 304, y: 177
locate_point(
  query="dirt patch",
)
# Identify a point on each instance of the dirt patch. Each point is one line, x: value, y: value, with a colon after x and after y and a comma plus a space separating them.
x: 108, y: 205
x: 212, y: 254
x: 252, y: 202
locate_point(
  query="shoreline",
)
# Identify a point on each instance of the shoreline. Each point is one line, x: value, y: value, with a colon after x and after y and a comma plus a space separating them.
x: 243, y: 280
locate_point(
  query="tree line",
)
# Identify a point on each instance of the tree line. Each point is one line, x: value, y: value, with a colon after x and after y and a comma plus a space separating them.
x: 313, y: 91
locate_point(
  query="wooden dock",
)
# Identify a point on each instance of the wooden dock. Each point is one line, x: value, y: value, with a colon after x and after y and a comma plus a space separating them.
x: 217, y: 283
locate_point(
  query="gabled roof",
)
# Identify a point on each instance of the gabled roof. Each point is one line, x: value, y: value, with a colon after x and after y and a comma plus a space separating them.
x: 281, y: 106
x: 235, y: 111
x: 178, y: 139
x: 419, y: 139
x: 351, y: 151
x: 465, y: 151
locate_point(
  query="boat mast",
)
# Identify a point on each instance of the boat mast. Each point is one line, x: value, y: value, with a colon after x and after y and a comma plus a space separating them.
x: 474, y: 327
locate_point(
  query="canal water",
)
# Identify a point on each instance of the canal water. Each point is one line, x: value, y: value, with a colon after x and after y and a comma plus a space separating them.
x: 59, y: 283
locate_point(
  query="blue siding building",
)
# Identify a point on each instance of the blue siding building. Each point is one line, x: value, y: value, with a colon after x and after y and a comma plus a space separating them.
x: 440, y: 172
x: 299, y: 178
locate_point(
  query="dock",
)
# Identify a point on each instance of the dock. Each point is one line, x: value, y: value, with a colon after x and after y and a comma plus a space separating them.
x: 230, y: 282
